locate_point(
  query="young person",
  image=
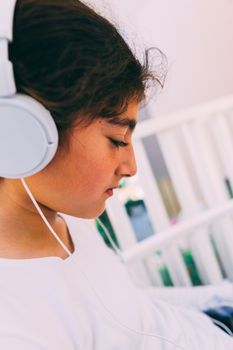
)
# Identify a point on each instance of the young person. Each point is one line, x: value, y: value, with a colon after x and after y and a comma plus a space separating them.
x: 76, y: 64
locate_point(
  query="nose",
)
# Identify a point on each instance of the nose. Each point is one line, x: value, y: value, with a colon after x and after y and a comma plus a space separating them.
x: 128, y: 166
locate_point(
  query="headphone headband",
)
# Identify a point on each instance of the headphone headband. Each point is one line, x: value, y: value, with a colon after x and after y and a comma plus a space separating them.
x: 28, y: 133
x: 7, y: 82
x: 7, y: 8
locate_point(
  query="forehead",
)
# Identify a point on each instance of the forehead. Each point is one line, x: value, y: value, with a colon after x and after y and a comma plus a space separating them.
x: 127, y: 121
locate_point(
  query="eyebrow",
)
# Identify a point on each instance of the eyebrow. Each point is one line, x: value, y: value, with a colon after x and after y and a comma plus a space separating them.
x: 130, y: 123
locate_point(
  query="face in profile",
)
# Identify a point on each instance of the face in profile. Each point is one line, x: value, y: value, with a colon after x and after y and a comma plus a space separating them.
x: 79, y: 180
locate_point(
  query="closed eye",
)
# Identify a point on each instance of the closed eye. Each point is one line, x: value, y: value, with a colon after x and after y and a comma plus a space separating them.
x: 117, y: 143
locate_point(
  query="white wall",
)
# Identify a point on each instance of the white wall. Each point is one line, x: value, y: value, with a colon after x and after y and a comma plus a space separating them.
x: 196, y: 36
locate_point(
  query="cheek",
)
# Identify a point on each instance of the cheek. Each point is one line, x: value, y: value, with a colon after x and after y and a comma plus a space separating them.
x: 93, y: 173
x: 86, y: 169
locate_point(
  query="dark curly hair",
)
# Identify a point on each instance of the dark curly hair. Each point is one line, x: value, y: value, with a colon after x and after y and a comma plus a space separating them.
x: 75, y: 62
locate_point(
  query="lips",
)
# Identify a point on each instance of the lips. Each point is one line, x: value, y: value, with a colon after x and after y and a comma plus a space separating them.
x: 112, y: 188
x: 109, y: 191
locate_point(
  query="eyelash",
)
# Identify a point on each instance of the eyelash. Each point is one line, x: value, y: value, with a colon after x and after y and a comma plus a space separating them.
x: 118, y: 143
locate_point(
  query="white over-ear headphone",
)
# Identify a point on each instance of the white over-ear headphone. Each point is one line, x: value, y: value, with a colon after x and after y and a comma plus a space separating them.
x: 28, y: 133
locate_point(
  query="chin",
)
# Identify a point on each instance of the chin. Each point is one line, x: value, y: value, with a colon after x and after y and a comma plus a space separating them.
x: 96, y: 214
x: 90, y: 213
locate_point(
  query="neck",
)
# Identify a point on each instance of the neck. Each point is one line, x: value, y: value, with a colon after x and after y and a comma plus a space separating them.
x: 23, y: 233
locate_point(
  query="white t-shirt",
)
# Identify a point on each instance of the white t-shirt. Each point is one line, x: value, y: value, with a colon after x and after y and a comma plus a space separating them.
x: 81, y: 303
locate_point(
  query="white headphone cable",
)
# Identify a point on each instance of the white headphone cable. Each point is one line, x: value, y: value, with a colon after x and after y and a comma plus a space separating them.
x: 120, y: 255
x: 117, y: 251
x: 43, y: 217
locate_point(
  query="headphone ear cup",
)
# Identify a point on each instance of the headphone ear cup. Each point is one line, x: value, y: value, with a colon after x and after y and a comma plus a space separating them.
x: 28, y: 136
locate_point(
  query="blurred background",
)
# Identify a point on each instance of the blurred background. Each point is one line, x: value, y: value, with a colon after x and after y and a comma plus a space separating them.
x: 195, y: 35
x: 183, y: 143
